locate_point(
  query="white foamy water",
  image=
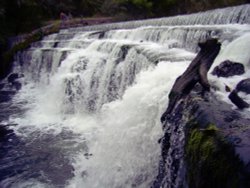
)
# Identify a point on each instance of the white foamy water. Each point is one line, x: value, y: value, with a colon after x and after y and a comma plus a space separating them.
x: 91, y: 100
x: 129, y: 131
x: 122, y: 147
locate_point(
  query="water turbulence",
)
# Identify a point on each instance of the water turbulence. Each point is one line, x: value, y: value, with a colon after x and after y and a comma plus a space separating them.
x: 88, y: 112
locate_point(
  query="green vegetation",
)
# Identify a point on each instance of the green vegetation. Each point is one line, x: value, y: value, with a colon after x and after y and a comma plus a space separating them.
x: 211, y: 161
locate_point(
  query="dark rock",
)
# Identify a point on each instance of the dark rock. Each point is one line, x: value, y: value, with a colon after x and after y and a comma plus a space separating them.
x: 244, y: 86
x: 55, y: 44
x: 239, y: 102
x: 12, y: 77
x: 100, y: 34
x: 227, y: 88
x: 6, y: 95
x: 123, y: 53
x: 2, y: 85
x: 196, y: 72
x: 228, y: 68
x: 216, y: 138
x: 17, y: 85
x: 4, y: 132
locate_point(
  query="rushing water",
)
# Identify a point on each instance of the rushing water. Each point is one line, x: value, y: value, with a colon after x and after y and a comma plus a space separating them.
x: 88, y: 112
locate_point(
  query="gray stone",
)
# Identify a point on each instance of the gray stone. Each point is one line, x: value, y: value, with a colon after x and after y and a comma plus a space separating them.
x: 228, y: 68
x: 244, y: 86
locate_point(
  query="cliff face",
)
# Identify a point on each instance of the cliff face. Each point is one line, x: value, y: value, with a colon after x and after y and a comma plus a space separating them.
x: 216, y: 144
x: 211, y: 137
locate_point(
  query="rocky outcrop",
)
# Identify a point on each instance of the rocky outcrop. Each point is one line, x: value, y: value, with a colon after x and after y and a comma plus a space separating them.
x: 217, y: 144
x: 228, y: 68
x: 216, y: 148
x: 205, y: 142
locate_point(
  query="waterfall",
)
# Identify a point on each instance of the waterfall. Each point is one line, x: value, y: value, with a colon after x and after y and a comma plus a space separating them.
x: 88, y: 112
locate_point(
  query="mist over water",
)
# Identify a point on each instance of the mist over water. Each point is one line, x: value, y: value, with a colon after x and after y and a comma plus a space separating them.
x: 90, y: 104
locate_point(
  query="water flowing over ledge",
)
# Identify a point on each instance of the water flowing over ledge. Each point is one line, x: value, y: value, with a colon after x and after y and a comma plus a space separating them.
x: 86, y: 103
x: 231, y: 15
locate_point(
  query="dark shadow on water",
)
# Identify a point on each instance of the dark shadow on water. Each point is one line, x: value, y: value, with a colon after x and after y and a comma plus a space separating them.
x: 43, y: 157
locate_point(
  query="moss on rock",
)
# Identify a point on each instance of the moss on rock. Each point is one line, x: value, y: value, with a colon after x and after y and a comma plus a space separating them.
x: 211, y: 161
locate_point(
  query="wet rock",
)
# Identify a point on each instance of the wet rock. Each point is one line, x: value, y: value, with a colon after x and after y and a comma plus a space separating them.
x: 239, y: 102
x: 99, y: 34
x: 2, y: 85
x: 123, y: 53
x: 12, y: 77
x: 14, y: 82
x: 216, y: 138
x: 55, y: 45
x: 244, y: 86
x: 17, y: 85
x: 228, y: 68
x: 4, y: 132
x: 227, y: 88
x: 6, y: 95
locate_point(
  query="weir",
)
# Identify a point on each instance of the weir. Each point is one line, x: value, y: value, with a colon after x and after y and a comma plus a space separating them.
x: 85, y: 104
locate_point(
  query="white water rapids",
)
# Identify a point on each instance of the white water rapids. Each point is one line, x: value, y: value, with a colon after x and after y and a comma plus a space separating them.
x: 91, y: 101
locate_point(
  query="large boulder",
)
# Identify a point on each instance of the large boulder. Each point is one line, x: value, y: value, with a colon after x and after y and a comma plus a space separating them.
x: 239, y: 102
x: 228, y: 68
x: 244, y: 86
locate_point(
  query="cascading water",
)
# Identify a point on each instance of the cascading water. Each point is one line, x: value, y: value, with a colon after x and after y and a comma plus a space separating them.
x: 88, y: 113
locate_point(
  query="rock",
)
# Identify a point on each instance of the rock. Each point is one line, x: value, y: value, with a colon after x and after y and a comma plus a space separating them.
x: 6, y: 95
x: 228, y: 68
x: 17, y: 85
x: 12, y: 77
x: 216, y: 138
x: 244, y: 86
x: 2, y: 85
x: 123, y: 53
x: 13, y: 80
x: 99, y: 34
x: 205, y: 134
x: 239, y: 102
x: 4, y: 131
x: 227, y: 88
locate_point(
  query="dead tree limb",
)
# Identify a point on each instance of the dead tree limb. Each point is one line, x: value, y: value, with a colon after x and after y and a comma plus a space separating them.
x: 196, y: 72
